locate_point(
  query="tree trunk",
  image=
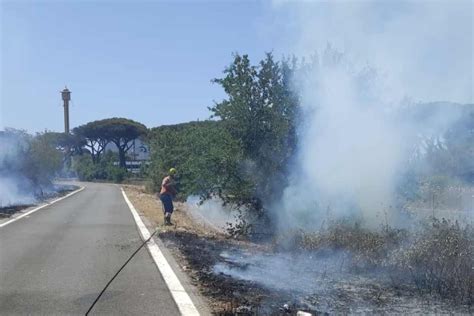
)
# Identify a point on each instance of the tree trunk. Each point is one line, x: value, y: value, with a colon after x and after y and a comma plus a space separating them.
x: 122, y: 157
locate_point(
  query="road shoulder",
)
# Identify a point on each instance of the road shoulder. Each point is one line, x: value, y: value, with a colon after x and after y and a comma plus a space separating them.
x: 186, y: 296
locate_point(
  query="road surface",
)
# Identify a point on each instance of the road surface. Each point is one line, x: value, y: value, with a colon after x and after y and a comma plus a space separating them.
x: 56, y: 260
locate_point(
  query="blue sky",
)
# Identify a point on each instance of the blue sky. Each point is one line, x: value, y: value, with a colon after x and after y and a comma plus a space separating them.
x: 149, y: 61
x: 152, y: 61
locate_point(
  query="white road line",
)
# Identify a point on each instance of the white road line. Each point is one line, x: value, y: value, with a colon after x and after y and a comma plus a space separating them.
x: 42, y: 206
x: 182, y: 299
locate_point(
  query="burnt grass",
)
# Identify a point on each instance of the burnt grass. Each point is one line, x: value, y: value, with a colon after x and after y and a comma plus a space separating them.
x: 232, y: 296
x: 371, y: 284
x: 8, y: 211
x: 228, y: 296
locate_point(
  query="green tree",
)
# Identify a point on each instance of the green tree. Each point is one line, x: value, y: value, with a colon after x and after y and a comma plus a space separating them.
x: 67, y: 144
x: 204, y: 153
x: 105, y: 169
x: 40, y: 161
x: 259, y: 113
x: 93, y: 136
x: 122, y: 132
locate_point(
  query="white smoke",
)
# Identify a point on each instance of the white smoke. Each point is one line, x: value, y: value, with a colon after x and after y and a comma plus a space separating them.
x: 353, y: 144
x: 12, y: 192
x: 15, y: 189
x: 350, y: 147
x: 295, y: 272
x: 424, y: 49
x: 211, y: 212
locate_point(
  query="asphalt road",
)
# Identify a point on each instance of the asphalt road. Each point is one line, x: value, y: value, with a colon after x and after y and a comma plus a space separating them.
x: 57, y: 260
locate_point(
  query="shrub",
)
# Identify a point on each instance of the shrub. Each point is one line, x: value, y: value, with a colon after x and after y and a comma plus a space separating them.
x: 438, y: 258
x: 106, y: 169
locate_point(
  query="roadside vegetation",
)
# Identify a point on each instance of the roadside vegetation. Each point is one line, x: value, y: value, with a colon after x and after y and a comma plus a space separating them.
x: 205, y: 154
x: 436, y: 259
x: 242, y: 156
x: 40, y: 158
x: 87, y: 146
x: 29, y: 162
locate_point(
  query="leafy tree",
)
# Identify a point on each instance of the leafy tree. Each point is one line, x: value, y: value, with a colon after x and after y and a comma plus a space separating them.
x: 259, y: 113
x: 93, y: 136
x: 85, y: 168
x: 29, y: 157
x: 204, y: 153
x: 42, y: 160
x: 68, y: 144
x: 121, y: 132
x: 105, y: 169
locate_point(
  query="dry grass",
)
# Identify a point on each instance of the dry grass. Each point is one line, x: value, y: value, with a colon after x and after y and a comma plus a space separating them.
x: 437, y: 259
x: 194, y: 244
x: 149, y: 205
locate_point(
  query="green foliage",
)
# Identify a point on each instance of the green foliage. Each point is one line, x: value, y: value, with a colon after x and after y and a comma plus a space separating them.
x: 85, y: 168
x: 106, y: 169
x: 34, y: 157
x: 43, y: 160
x: 94, y: 138
x: 204, y: 154
x: 260, y: 114
x: 120, y: 131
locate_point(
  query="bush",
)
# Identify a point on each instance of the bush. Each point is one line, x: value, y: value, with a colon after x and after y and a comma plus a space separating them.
x: 204, y: 154
x: 106, y: 169
x: 436, y: 259
x: 116, y: 174
x: 439, y: 260
x: 86, y: 170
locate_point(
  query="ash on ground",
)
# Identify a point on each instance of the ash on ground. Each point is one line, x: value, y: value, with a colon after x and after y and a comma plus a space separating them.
x: 12, y: 206
x: 249, y: 279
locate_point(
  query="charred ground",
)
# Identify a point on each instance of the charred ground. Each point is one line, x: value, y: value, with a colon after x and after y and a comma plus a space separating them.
x: 341, y: 269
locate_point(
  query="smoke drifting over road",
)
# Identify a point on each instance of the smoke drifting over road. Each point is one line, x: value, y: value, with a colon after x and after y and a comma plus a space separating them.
x: 358, y: 131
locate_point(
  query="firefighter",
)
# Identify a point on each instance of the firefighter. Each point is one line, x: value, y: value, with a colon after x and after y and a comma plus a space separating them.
x: 167, y: 193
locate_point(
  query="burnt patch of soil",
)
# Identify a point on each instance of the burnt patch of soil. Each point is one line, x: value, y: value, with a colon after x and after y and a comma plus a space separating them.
x: 8, y: 211
x: 241, y: 278
x: 228, y: 295
x: 56, y: 192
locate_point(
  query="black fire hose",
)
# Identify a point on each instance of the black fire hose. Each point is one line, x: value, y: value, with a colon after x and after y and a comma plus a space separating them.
x: 121, y: 268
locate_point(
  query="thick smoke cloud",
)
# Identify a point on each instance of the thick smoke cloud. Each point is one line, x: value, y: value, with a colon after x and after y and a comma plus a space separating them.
x: 358, y: 131
x: 423, y: 49
x: 350, y: 147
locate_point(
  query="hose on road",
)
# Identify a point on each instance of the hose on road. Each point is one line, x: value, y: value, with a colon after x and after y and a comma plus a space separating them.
x: 121, y: 268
